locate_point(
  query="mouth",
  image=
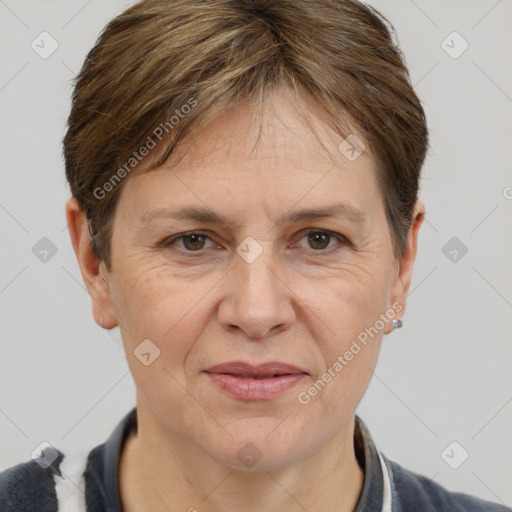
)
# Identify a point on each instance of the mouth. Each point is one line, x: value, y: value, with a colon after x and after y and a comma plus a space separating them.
x: 257, y: 377
x: 262, y: 371
x: 249, y: 382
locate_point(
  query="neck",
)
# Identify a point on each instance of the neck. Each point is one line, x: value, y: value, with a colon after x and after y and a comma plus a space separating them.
x: 157, y: 471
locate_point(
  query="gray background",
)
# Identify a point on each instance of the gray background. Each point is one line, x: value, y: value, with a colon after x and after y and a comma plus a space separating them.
x: 446, y: 376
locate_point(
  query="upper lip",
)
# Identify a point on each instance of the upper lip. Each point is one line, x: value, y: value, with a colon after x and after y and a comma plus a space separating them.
x: 250, y: 370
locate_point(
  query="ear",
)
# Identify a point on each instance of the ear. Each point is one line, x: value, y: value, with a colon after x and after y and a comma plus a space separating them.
x: 94, y: 272
x: 404, y: 266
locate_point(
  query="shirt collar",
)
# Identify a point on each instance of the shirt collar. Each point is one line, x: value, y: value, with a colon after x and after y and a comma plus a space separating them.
x: 370, y: 499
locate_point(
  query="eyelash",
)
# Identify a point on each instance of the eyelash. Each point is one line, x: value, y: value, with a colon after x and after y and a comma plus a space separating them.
x: 168, y: 242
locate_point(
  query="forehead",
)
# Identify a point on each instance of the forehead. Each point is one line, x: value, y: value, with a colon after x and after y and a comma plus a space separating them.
x: 285, y: 129
x: 283, y: 153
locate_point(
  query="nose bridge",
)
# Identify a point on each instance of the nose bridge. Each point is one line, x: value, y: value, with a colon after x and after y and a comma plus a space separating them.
x: 258, y: 300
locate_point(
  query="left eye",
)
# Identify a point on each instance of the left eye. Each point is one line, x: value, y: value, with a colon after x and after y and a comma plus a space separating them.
x: 195, y: 241
x: 320, y: 240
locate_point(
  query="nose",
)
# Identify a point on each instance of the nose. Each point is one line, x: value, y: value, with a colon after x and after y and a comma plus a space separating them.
x: 258, y: 301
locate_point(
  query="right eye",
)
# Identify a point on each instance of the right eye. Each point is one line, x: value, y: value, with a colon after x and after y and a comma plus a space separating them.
x: 192, y: 241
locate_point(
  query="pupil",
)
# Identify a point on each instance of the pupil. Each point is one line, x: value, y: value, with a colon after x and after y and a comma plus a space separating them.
x: 196, y: 241
x: 319, y: 237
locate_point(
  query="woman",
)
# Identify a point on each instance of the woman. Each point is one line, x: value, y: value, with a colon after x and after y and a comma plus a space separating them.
x: 244, y: 178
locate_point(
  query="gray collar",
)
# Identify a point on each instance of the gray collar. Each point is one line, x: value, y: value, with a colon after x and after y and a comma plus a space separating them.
x: 107, y: 487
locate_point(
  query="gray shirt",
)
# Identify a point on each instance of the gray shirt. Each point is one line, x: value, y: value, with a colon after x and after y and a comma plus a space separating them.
x: 89, y: 482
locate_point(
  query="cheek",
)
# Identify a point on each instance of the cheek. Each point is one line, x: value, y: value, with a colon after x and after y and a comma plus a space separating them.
x: 163, y: 308
x: 342, y: 307
x: 348, y: 342
x: 345, y: 320
x: 161, y: 311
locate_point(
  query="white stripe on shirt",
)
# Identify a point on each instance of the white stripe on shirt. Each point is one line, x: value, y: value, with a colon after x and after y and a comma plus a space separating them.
x: 386, y: 498
x: 71, y: 488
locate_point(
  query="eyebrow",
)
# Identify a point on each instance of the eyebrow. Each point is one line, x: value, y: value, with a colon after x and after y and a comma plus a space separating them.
x: 207, y: 216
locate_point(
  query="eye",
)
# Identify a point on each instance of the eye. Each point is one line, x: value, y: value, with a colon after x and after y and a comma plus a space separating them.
x: 317, y: 240
x: 320, y: 240
x: 193, y: 241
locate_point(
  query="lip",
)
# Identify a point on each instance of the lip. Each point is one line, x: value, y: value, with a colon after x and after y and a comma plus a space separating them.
x: 255, y: 382
x: 260, y: 370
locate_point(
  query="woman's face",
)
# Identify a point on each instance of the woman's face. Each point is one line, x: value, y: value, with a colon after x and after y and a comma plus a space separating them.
x: 267, y: 288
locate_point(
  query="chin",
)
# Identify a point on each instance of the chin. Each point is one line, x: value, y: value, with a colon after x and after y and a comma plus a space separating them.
x: 261, y: 444
x: 254, y: 458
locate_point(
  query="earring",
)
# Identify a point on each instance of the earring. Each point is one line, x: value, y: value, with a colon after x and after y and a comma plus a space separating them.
x: 397, y: 324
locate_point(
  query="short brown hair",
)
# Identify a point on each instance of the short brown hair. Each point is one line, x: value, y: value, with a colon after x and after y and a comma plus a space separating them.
x: 161, y: 55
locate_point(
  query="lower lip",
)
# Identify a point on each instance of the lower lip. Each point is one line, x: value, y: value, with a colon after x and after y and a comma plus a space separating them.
x: 255, y: 389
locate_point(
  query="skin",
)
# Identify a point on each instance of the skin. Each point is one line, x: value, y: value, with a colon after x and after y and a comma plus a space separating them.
x: 301, y: 302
